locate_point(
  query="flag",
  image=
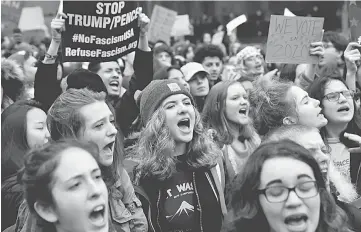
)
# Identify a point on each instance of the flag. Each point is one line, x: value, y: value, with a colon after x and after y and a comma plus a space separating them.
x: 354, y: 15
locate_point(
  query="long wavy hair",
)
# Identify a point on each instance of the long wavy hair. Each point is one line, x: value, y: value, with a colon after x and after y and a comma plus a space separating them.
x: 244, y: 198
x: 155, y: 146
x: 65, y: 121
x: 214, y: 116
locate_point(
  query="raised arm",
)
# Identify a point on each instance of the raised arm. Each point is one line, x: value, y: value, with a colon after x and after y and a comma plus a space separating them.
x: 47, y: 82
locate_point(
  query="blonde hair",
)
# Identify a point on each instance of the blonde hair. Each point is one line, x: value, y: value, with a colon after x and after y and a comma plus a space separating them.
x: 154, y: 149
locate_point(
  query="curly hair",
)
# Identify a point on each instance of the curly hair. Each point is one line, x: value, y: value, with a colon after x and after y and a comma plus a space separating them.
x: 207, y: 51
x: 155, y: 147
x: 246, y: 184
x: 271, y: 104
x: 214, y: 115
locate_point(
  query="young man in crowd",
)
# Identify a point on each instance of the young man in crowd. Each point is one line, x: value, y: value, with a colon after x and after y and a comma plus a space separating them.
x: 334, y: 44
x: 211, y: 57
x: 198, y: 79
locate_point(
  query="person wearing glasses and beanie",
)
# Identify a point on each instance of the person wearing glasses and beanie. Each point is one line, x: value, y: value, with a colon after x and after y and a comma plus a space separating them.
x: 291, y: 197
x: 343, y: 130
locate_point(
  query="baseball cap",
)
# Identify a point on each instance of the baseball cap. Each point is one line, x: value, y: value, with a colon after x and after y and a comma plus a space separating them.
x: 190, y: 69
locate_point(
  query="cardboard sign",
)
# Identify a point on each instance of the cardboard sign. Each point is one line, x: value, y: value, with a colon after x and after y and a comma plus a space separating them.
x: 161, y: 24
x: 289, y: 39
x: 10, y: 15
x: 181, y: 26
x: 355, y: 21
x: 99, y: 31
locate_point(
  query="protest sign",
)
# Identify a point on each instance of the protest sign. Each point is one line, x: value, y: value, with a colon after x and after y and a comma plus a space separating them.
x: 235, y: 23
x: 218, y: 37
x: 287, y: 12
x: 181, y: 26
x: 355, y: 21
x: 161, y: 24
x: 99, y: 31
x: 10, y: 15
x: 290, y: 38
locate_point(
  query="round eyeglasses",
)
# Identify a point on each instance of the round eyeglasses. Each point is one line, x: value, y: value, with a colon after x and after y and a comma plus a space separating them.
x: 335, y: 96
x: 276, y: 194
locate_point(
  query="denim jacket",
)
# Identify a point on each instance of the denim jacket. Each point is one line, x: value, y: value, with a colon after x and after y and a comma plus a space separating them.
x: 126, y: 213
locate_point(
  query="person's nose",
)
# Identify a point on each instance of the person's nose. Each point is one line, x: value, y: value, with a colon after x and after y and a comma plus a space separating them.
x: 293, y: 200
x: 112, y: 131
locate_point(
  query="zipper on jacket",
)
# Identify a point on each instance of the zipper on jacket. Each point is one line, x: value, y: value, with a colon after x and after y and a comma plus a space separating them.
x: 199, y: 203
x: 150, y: 218
x: 159, y: 193
x: 210, y: 182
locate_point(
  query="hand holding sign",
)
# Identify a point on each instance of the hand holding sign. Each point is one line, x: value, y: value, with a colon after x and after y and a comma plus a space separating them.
x: 317, y: 49
x: 143, y: 23
x: 289, y: 39
x: 57, y: 26
x: 352, y: 54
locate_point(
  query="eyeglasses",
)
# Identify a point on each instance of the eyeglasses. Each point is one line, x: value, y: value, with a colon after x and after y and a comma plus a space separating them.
x: 277, y: 194
x: 335, y: 96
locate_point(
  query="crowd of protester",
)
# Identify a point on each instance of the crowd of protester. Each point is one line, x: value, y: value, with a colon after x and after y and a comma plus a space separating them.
x: 190, y: 137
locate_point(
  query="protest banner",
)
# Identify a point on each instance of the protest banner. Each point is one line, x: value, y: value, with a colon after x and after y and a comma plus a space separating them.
x: 10, y: 15
x: 99, y: 31
x: 355, y: 21
x: 290, y: 38
x: 161, y: 24
x: 181, y: 26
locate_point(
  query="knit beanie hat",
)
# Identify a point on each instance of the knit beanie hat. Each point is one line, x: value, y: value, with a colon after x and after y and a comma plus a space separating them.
x: 155, y: 93
x: 82, y: 78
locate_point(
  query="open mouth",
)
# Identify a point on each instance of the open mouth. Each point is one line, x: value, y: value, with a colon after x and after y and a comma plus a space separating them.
x: 184, y: 124
x: 243, y: 111
x: 343, y: 109
x: 97, y: 215
x: 109, y: 146
x: 298, y: 222
x: 114, y: 84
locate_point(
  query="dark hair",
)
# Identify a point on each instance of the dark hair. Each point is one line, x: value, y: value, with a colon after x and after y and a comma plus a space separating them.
x: 163, y: 48
x: 14, y: 143
x: 207, y: 51
x: 39, y: 166
x: 12, y: 77
x: 317, y: 91
x: 186, y: 48
x: 288, y: 72
x: 243, y: 197
x: 338, y: 41
x: 16, y: 30
x: 82, y: 78
x: 94, y: 66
